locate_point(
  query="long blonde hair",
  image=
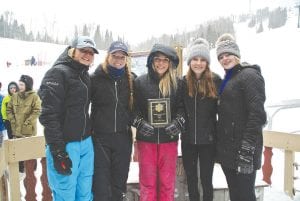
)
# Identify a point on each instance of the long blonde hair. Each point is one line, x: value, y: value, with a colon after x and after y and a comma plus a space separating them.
x: 205, y: 87
x: 168, y: 81
x: 129, y: 77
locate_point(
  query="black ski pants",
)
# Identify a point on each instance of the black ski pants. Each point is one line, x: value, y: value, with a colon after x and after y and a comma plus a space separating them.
x: 193, y: 154
x: 112, y: 160
x: 241, y: 186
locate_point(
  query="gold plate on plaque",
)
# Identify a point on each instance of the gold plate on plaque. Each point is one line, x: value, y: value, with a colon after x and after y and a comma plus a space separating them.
x: 159, y: 113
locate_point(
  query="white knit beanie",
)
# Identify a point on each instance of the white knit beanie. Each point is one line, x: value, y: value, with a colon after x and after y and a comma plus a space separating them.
x: 226, y: 44
x: 198, y: 48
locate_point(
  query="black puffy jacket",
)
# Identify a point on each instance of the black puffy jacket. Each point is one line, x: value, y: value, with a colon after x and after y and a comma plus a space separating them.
x: 241, y: 115
x: 110, y: 103
x: 65, y: 95
x: 201, y: 116
x: 146, y: 87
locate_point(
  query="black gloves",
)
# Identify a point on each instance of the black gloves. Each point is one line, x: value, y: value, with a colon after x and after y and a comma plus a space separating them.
x: 143, y: 127
x: 175, y: 127
x: 245, y: 158
x: 62, y: 162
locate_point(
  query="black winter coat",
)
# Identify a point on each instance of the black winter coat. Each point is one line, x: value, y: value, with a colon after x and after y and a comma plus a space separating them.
x: 241, y: 115
x: 201, y: 116
x: 65, y: 95
x: 147, y: 87
x: 110, y: 111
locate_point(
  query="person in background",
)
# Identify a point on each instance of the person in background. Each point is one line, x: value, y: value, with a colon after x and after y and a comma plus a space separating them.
x: 111, y: 114
x: 157, y: 146
x: 22, y: 111
x: 2, y: 127
x: 32, y: 61
x: 12, y: 88
x: 200, y: 103
x: 241, y: 116
x: 65, y: 93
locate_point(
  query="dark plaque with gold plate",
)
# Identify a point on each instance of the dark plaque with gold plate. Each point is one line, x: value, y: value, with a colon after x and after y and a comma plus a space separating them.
x: 159, y: 113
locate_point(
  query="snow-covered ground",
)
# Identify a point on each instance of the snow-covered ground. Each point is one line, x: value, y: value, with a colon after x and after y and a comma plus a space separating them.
x: 274, y: 50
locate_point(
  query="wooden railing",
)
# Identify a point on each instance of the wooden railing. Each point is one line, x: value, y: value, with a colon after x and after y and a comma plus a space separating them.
x: 290, y: 143
x: 29, y: 149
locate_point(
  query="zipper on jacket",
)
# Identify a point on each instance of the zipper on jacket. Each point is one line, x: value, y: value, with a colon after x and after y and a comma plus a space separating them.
x: 195, y: 113
x: 117, y: 100
x: 87, y: 96
x: 158, y: 127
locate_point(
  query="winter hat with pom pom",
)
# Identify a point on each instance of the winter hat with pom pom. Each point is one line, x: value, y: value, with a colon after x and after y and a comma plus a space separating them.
x: 227, y: 44
x: 198, y: 48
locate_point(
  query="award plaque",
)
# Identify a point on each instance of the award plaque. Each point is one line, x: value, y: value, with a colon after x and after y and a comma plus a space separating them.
x: 159, y: 113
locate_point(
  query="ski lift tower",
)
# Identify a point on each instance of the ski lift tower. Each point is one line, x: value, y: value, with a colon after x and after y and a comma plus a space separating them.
x: 298, y: 6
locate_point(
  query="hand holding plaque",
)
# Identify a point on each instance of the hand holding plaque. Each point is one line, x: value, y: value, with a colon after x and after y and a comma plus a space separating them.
x: 143, y: 127
x: 176, y: 127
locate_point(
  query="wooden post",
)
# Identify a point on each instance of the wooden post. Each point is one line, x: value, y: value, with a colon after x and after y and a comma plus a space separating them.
x: 179, y: 68
x: 267, y: 166
x: 3, y: 189
x: 3, y: 180
x: 14, y: 183
x: 46, y: 194
x: 289, y: 158
x: 30, y: 180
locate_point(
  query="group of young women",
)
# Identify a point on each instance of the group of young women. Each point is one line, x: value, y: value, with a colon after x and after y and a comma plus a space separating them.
x: 217, y: 120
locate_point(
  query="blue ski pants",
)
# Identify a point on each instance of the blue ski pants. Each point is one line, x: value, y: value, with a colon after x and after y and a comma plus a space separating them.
x: 78, y: 185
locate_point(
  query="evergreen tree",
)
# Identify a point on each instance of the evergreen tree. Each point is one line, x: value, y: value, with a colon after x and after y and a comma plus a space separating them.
x: 76, y: 34
x: 85, y: 30
x: 1, y: 26
x: 260, y: 28
x: 38, y: 37
x: 30, y: 36
x: 66, y: 42
x: 98, y: 37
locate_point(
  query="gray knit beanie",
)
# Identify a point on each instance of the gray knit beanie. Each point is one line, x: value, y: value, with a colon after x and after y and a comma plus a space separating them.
x: 227, y: 44
x: 198, y: 48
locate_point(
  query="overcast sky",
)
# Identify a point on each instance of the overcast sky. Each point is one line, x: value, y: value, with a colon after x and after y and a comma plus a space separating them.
x: 136, y: 20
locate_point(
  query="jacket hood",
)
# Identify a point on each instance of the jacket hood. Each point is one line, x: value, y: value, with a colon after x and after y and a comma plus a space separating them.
x: 65, y: 59
x: 166, y: 50
x: 254, y: 66
x: 9, y: 85
x: 245, y: 65
x: 25, y: 94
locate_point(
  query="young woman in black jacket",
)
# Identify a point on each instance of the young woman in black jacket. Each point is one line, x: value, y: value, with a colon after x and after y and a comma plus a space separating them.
x: 200, y: 103
x: 157, y: 144
x: 65, y: 95
x: 112, y: 101
x: 241, y: 117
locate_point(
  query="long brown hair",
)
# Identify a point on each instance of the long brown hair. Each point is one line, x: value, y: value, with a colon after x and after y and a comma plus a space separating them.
x: 129, y: 77
x: 204, y: 87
